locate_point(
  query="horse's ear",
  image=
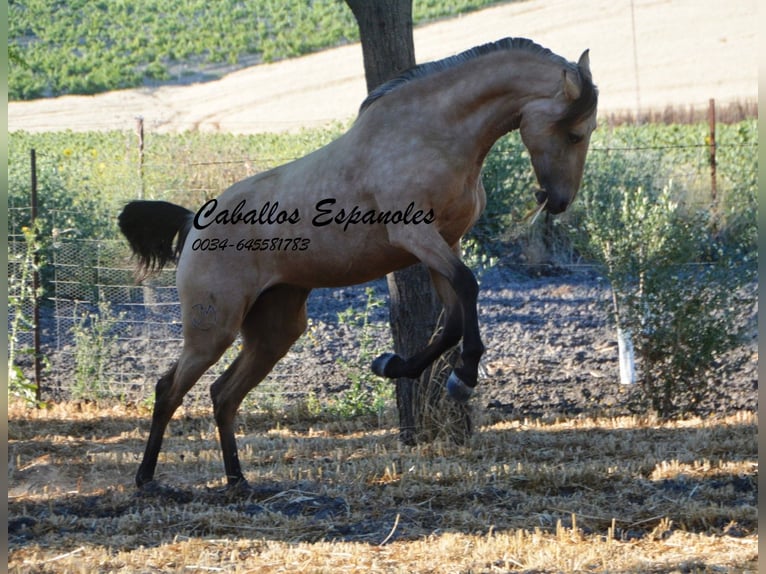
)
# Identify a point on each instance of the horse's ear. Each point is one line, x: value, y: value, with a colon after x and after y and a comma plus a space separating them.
x: 572, y: 85
x: 584, y: 65
x: 571, y: 82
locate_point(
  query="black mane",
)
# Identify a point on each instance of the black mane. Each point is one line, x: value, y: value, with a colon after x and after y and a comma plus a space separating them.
x: 583, y: 106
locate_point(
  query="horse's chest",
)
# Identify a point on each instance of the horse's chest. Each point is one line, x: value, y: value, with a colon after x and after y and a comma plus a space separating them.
x: 462, y: 210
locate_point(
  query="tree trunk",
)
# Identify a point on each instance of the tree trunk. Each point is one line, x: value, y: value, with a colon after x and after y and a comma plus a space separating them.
x: 385, y: 29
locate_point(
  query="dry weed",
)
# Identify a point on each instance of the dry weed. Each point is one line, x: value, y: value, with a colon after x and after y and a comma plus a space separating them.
x: 629, y: 494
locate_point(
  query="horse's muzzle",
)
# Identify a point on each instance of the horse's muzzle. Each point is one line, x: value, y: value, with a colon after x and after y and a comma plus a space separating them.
x: 551, y: 204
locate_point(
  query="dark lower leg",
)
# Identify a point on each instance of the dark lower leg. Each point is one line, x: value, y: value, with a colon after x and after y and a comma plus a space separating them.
x: 163, y: 412
x: 231, y: 463
x: 225, y: 411
x: 224, y: 416
x: 227, y: 393
x: 273, y: 324
x: 393, y: 366
x: 467, y: 290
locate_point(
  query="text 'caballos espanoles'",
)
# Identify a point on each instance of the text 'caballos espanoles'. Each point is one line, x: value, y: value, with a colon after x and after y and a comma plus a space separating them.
x: 325, y: 213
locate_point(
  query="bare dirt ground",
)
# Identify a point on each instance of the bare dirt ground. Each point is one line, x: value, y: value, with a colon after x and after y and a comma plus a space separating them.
x: 551, y: 350
x: 683, y: 52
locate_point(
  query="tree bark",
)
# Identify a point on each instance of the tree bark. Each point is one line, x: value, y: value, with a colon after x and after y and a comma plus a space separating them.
x: 385, y: 29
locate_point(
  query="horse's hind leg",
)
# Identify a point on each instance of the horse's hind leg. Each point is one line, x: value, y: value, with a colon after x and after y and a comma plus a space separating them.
x: 208, y: 330
x: 200, y: 351
x: 275, y: 321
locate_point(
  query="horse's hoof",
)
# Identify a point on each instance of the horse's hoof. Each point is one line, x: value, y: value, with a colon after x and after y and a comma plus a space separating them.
x: 379, y: 365
x: 238, y: 489
x: 164, y: 492
x: 457, y: 390
x: 143, y: 482
x: 147, y: 486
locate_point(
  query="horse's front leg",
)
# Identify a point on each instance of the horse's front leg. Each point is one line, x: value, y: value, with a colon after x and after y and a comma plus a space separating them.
x: 464, y: 378
x: 458, y: 290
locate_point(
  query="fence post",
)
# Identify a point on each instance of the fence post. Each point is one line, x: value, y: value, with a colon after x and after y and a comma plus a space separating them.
x: 35, y: 282
x: 711, y: 144
x: 140, y: 132
x: 148, y: 293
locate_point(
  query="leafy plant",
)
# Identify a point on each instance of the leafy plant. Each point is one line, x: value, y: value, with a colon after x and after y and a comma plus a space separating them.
x: 95, y: 341
x: 21, y: 297
x: 681, y: 307
x: 368, y: 394
x: 475, y: 257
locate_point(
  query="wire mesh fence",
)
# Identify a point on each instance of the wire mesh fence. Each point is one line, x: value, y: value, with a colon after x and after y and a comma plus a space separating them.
x: 96, y: 324
x: 102, y: 323
x: 100, y: 332
x: 103, y: 336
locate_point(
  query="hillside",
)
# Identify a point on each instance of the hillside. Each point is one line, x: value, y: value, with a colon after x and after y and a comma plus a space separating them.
x: 686, y: 52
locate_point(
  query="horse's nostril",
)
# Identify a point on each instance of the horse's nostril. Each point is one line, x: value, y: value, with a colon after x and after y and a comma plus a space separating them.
x: 549, y: 202
x: 555, y: 206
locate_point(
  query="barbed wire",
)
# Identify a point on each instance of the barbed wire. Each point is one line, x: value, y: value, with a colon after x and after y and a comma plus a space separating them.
x: 287, y: 158
x: 674, y: 146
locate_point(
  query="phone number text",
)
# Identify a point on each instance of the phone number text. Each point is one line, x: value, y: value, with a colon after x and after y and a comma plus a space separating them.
x: 260, y: 244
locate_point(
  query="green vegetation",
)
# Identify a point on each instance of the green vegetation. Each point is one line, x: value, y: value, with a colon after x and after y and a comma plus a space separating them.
x: 90, y: 174
x: 368, y: 394
x: 21, y: 264
x: 679, y: 293
x: 645, y: 189
x: 84, y: 178
x: 83, y: 47
x: 95, y: 349
x: 628, y: 156
x: 680, y: 260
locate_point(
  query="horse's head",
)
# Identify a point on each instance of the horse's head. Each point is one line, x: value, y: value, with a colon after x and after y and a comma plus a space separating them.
x: 556, y: 130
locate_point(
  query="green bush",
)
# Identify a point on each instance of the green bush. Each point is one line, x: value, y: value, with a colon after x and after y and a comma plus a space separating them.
x: 677, y: 258
x: 21, y: 295
x: 677, y: 293
x: 96, y: 348
x: 651, y: 155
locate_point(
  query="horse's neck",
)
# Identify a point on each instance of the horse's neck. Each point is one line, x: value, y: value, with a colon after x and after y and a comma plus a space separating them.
x: 487, y: 100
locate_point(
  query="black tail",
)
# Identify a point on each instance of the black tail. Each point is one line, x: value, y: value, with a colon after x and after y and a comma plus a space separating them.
x: 150, y: 227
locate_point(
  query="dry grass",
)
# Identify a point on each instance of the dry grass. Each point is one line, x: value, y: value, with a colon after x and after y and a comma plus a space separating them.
x: 625, y: 494
x: 730, y: 113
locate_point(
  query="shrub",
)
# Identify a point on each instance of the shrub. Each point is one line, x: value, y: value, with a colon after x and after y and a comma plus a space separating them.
x: 675, y: 291
x: 96, y: 348
x: 21, y: 296
x: 367, y: 394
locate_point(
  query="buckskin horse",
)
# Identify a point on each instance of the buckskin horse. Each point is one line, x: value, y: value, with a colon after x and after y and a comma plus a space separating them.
x: 402, y: 185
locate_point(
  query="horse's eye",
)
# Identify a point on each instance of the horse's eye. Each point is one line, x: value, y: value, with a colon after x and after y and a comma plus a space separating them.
x: 574, y: 138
